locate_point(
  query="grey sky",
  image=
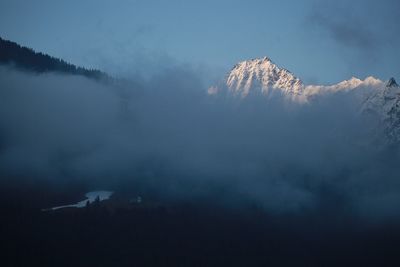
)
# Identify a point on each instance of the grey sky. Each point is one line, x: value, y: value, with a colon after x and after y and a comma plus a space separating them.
x: 319, y: 41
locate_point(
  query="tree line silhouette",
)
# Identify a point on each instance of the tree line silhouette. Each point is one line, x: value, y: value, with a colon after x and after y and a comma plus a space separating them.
x: 188, y: 233
x: 26, y: 58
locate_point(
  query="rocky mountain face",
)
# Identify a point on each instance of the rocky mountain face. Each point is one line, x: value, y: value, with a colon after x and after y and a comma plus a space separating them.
x: 262, y: 76
x: 384, y: 105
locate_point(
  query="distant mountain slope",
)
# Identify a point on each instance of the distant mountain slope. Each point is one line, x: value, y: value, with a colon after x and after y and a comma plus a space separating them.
x: 384, y: 104
x: 25, y: 58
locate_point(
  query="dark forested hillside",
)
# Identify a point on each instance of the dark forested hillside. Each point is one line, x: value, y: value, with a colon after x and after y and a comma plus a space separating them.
x: 118, y: 233
x: 27, y: 59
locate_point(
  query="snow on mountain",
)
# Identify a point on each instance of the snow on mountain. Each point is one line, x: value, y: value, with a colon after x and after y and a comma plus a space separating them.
x: 344, y: 86
x: 384, y: 105
x: 262, y: 76
x: 384, y: 99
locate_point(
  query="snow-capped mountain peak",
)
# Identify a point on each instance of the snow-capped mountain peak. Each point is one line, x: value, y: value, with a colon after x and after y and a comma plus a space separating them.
x: 262, y: 76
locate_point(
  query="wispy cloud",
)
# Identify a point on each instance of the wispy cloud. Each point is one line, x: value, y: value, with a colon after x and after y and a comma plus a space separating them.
x: 346, y: 30
x: 362, y: 30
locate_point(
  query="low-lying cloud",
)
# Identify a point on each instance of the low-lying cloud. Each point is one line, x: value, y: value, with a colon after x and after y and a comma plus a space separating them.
x: 168, y: 134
